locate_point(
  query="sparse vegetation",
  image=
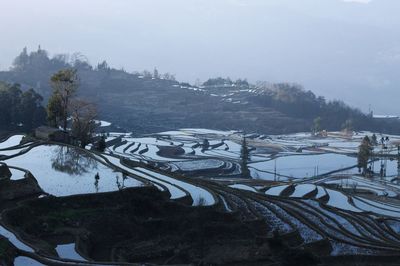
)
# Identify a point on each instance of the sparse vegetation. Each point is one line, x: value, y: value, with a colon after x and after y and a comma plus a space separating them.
x: 83, y: 116
x: 364, y: 154
x: 316, y: 126
x: 64, y: 83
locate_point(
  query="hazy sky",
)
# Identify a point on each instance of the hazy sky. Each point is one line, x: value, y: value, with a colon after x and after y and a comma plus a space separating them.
x: 339, y: 49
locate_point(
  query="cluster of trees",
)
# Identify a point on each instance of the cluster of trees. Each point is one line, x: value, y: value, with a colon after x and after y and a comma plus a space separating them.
x: 296, y: 102
x: 63, y: 106
x: 293, y: 100
x: 22, y: 109
x: 225, y: 81
x: 27, y: 62
x: 155, y: 75
x: 365, y: 154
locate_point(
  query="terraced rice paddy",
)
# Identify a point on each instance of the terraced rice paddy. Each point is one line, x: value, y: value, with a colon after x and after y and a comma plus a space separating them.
x: 301, y: 184
x: 64, y: 171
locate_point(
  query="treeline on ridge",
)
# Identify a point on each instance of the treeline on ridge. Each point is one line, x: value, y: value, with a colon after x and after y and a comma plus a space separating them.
x: 150, y: 101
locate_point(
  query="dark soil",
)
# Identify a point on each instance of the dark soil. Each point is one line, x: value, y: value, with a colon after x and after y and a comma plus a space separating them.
x: 143, y: 225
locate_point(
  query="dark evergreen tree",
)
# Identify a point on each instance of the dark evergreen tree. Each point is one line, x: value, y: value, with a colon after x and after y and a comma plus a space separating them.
x: 374, y: 140
x: 244, y: 158
x: 20, y: 109
x: 101, y: 144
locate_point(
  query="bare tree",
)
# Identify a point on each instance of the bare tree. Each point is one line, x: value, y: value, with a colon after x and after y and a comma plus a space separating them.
x: 83, y: 116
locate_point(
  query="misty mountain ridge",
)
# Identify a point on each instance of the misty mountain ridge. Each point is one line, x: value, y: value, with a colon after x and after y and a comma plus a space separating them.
x: 153, y: 102
x: 338, y: 49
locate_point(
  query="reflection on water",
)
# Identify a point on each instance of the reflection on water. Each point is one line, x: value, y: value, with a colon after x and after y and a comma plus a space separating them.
x: 72, y: 161
x: 96, y: 182
x: 75, y: 161
x: 300, y: 166
x: 120, y: 184
x: 386, y: 167
x: 63, y: 171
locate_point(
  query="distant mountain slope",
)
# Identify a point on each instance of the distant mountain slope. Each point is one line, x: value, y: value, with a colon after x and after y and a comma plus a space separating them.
x: 145, y: 102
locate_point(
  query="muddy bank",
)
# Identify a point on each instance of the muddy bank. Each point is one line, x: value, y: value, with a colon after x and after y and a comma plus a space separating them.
x: 17, y: 189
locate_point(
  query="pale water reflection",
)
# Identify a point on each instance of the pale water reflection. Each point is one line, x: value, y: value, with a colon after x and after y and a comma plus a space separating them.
x: 63, y: 171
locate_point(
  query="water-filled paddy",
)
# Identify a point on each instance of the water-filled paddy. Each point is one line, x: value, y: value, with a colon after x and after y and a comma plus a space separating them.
x: 67, y: 251
x: 25, y: 261
x: 14, y: 240
x: 302, y: 190
x: 276, y: 191
x: 66, y: 171
x: 300, y: 166
x: 11, y: 141
x: 199, y: 164
x: 63, y: 171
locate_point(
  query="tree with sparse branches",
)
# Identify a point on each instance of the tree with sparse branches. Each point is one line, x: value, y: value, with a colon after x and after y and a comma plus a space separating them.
x: 64, y: 83
x: 83, y: 116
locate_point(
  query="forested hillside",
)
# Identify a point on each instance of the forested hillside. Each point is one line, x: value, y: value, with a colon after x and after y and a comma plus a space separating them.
x: 149, y: 101
x: 20, y: 110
